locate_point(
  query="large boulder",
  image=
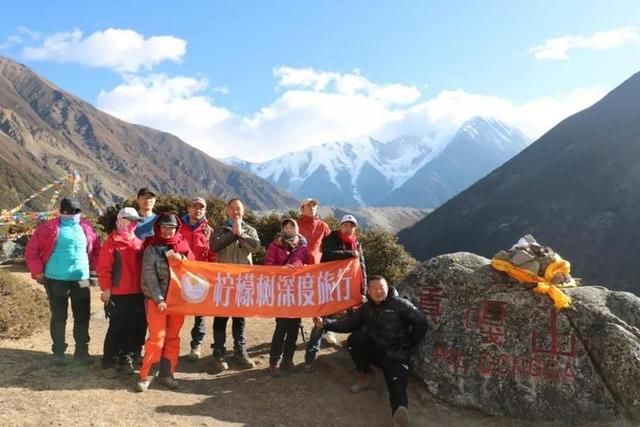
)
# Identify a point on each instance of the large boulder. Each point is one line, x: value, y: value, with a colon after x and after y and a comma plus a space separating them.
x: 498, y: 347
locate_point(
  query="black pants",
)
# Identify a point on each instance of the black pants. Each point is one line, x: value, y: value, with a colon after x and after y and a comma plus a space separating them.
x: 365, y: 352
x: 284, y: 340
x: 127, y: 322
x: 198, y: 331
x: 59, y: 292
x: 220, y: 334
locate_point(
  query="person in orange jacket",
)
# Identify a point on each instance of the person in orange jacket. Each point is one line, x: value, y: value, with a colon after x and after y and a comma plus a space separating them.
x: 313, y: 229
x: 197, y: 232
x: 163, y: 343
x: 119, y: 269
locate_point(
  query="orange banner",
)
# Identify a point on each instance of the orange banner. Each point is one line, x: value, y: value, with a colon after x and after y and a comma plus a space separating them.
x: 235, y: 290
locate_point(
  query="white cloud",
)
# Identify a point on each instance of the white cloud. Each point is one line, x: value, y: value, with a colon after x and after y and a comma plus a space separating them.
x: 33, y: 35
x: 119, y: 49
x: 318, y: 107
x: 24, y: 35
x: 558, y: 48
x: 450, y: 108
x: 172, y: 104
x: 221, y: 89
x: 346, y: 84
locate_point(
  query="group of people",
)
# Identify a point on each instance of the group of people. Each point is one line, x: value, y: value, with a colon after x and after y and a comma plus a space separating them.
x: 132, y: 270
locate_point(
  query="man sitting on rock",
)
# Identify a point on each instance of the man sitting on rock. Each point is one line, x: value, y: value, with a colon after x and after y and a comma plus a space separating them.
x: 385, y: 330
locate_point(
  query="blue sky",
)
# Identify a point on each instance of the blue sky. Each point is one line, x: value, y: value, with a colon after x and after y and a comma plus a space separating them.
x: 256, y: 79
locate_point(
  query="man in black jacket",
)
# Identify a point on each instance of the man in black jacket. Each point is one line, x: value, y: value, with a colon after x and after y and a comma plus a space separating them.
x: 385, y: 331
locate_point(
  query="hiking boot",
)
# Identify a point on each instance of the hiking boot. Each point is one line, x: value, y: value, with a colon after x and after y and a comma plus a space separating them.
x: 274, y: 371
x: 110, y: 373
x: 60, y: 359
x: 244, y: 360
x: 169, y: 382
x: 126, y: 367
x: 287, y: 366
x: 364, y: 382
x: 309, y: 368
x: 219, y: 363
x: 83, y: 358
x: 136, y: 360
x: 195, y: 353
x: 401, y: 417
x: 143, y: 385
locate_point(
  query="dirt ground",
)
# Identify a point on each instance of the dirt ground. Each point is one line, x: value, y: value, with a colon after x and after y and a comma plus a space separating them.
x: 33, y: 391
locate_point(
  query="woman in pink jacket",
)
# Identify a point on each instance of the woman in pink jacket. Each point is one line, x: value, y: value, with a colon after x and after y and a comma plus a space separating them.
x: 288, y: 248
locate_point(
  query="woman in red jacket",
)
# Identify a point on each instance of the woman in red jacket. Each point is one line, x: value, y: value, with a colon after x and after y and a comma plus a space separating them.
x: 289, y: 248
x: 119, y: 269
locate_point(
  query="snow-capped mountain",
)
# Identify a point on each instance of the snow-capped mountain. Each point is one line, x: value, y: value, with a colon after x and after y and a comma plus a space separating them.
x: 479, y: 146
x: 374, y: 173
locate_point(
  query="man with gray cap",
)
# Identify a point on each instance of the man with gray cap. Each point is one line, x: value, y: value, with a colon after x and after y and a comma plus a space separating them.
x: 62, y: 254
x: 313, y: 229
x: 197, y: 232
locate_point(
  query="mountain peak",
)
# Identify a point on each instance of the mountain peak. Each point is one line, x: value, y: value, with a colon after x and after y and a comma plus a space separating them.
x: 364, y: 173
x: 575, y: 188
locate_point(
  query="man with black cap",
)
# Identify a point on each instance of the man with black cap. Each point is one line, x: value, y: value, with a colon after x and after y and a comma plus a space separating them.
x: 146, y: 201
x: 62, y: 254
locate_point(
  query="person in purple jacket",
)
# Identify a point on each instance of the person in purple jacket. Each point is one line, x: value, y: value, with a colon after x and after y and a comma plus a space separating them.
x: 289, y: 248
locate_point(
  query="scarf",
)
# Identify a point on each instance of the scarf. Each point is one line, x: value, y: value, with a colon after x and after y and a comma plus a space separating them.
x: 349, y: 242
x: 289, y: 242
x: 171, y: 243
x: 176, y: 243
x: 125, y: 229
x: 70, y: 218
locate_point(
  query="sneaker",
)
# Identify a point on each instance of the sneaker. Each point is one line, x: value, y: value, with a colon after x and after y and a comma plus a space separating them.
x: 274, y: 371
x: 195, y: 353
x: 219, y: 363
x: 143, y: 385
x: 287, y: 366
x: 364, y: 382
x: 110, y: 373
x: 309, y: 368
x: 401, y: 417
x: 169, y: 382
x: 83, y: 358
x: 126, y: 367
x: 59, y: 359
x: 244, y: 360
x: 330, y: 338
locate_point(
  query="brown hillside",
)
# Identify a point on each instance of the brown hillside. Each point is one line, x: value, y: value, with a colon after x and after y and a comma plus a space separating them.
x: 46, y: 132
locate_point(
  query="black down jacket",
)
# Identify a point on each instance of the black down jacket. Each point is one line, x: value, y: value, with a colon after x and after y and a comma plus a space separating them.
x: 395, y: 325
